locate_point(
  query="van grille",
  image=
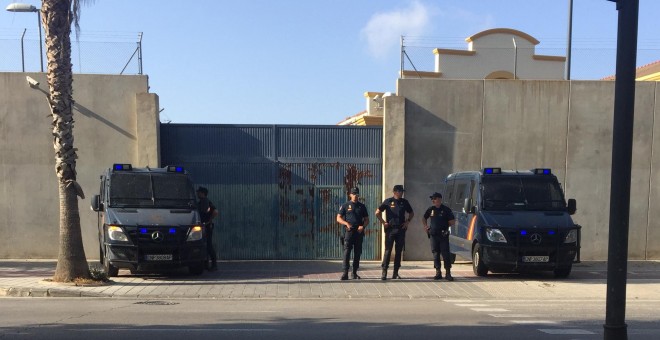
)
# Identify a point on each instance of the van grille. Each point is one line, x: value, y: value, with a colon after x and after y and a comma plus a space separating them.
x: 146, y: 236
x: 534, y: 238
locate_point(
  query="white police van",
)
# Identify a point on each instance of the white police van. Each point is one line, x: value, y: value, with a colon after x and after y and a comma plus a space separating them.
x: 148, y: 220
x: 512, y: 221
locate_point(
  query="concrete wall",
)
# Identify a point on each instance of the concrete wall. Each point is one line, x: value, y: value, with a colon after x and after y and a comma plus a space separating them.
x: 456, y: 125
x: 116, y: 120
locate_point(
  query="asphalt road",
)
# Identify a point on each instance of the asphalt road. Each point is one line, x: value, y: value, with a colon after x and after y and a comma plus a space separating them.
x: 112, y: 318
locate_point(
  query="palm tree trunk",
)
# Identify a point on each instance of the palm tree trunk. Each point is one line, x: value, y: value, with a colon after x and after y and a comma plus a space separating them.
x: 56, y: 19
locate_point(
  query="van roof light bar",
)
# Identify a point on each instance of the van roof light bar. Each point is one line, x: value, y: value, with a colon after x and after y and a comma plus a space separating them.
x: 122, y: 167
x: 174, y: 168
x: 542, y: 171
x: 492, y: 171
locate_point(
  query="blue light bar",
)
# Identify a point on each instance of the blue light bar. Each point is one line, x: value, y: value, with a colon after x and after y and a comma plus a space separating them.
x: 523, y: 232
x: 492, y: 171
x: 122, y: 167
x: 173, y: 168
x: 551, y: 232
x: 172, y: 230
x: 143, y: 230
x: 542, y: 171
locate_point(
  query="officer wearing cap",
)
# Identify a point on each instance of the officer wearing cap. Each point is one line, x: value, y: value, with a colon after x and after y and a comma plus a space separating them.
x: 441, y: 219
x: 354, y: 217
x: 395, y: 225
x: 207, y: 212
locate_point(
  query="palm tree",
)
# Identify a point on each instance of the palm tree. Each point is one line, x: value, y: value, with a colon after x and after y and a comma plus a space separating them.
x: 56, y: 17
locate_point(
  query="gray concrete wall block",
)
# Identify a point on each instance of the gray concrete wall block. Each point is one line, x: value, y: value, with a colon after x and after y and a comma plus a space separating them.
x: 105, y: 132
x: 454, y: 125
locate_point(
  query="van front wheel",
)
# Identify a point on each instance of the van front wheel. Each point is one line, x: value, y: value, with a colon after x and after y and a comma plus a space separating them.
x: 196, y: 268
x: 478, y: 265
x: 563, y: 272
x: 110, y: 270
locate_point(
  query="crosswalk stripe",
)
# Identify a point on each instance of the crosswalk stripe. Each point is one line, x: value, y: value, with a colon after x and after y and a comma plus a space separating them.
x: 471, y: 305
x: 532, y: 322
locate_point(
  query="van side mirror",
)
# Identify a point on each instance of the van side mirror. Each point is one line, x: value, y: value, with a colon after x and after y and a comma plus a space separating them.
x: 467, y: 206
x: 96, y: 203
x: 572, y: 206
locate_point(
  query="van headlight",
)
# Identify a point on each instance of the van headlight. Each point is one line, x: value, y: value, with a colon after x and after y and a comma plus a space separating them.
x: 495, y: 235
x: 195, y: 234
x: 571, y: 237
x: 116, y: 233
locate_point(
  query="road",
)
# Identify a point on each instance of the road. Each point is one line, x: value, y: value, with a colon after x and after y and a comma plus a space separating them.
x: 113, y: 318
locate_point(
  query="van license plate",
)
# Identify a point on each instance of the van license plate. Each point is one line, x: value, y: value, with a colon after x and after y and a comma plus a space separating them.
x: 163, y: 257
x: 536, y: 258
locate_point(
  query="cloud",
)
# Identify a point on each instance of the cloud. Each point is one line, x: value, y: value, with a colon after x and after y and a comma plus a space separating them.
x: 384, y: 30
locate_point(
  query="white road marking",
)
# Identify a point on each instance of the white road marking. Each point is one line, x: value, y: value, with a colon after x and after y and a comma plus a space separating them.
x: 489, y: 309
x: 532, y: 322
x: 569, y: 331
x: 511, y: 316
x: 472, y: 305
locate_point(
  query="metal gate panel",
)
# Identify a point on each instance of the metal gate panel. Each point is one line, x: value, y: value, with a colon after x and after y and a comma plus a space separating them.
x: 268, y: 183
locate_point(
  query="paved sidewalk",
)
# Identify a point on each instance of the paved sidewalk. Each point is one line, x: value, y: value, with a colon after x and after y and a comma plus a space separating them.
x: 320, y: 280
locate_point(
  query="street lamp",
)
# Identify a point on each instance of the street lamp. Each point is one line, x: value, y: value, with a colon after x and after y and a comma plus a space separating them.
x: 18, y: 7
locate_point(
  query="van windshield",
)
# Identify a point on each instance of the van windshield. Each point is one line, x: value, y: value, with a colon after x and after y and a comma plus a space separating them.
x: 522, y: 193
x: 151, y: 190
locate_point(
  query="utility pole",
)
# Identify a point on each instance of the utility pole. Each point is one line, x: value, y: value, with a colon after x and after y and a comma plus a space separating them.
x: 615, y: 327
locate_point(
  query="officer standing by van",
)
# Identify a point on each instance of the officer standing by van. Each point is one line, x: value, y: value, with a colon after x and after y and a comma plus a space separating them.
x: 441, y: 219
x: 395, y: 225
x: 354, y: 217
x: 207, y: 212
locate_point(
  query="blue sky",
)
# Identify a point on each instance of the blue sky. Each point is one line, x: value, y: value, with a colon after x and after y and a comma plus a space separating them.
x: 310, y: 62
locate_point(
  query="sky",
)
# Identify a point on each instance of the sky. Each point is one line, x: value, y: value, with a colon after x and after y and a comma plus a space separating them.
x: 310, y: 61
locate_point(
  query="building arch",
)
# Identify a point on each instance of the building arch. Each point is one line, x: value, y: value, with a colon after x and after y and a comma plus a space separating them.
x: 500, y: 75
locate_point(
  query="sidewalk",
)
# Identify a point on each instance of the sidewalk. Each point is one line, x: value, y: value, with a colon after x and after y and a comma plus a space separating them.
x: 320, y: 280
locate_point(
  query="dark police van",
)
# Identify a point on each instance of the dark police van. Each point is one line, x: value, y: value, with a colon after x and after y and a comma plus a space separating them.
x: 148, y: 220
x: 512, y: 221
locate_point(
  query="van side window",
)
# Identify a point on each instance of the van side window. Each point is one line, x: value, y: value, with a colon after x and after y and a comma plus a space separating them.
x: 449, y: 190
x: 460, y: 193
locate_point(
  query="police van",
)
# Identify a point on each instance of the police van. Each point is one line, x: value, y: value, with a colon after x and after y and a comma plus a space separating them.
x: 148, y: 220
x: 512, y: 221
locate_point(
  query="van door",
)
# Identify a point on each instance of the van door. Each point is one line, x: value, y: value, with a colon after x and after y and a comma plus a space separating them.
x: 461, y: 191
x: 459, y: 243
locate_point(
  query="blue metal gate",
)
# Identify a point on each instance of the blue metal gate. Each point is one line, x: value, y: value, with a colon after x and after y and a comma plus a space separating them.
x: 278, y: 187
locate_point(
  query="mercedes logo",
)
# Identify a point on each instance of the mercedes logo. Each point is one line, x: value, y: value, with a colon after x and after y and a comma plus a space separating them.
x: 157, y: 236
x: 535, y: 238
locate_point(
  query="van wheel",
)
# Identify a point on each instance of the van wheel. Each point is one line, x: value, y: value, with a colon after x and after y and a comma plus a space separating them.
x: 563, y: 272
x: 196, y: 269
x: 110, y: 270
x: 478, y: 266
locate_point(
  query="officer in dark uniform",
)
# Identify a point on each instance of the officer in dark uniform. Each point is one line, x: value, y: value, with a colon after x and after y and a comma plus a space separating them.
x: 395, y: 225
x: 207, y: 212
x: 354, y: 217
x: 441, y: 219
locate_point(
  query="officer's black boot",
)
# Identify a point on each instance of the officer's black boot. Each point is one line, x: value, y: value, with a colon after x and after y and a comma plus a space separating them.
x: 448, y: 277
x: 395, y: 274
x: 438, y: 274
x: 355, y: 275
x: 344, y: 276
x: 384, y: 276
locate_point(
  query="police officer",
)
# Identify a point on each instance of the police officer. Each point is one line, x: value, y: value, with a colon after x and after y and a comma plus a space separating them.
x: 395, y: 225
x: 441, y: 219
x: 354, y: 217
x: 207, y: 212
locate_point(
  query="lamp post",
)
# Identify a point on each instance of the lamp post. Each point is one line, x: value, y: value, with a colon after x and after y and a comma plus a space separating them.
x: 18, y: 7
